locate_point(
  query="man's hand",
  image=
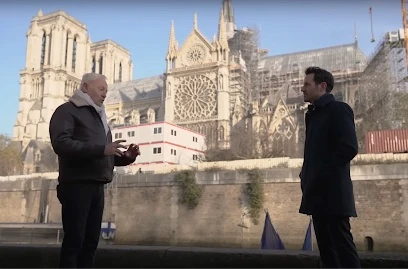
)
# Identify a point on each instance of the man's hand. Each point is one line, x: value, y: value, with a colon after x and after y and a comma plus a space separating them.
x: 113, y: 148
x: 132, y: 152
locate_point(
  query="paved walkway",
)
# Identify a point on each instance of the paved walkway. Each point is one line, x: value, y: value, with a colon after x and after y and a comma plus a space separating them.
x: 46, y: 256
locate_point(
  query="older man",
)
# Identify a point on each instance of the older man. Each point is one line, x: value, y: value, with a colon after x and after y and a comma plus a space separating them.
x: 81, y: 138
x: 331, y: 143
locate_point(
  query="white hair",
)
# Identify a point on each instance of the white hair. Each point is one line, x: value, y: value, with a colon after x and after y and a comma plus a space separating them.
x: 90, y: 77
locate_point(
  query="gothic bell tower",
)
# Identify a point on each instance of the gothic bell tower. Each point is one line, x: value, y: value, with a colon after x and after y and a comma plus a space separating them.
x: 59, y: 51
x: 56, y: 58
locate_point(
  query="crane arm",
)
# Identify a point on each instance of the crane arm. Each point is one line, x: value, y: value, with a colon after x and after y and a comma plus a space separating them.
x: 405, y: 27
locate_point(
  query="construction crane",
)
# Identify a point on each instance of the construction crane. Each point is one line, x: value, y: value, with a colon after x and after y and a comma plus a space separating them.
x: 371, y: 23
x: 405, y: 27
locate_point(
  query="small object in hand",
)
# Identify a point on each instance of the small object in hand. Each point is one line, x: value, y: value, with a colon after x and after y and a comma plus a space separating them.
x: 137, y: 149
x: 132, y: 151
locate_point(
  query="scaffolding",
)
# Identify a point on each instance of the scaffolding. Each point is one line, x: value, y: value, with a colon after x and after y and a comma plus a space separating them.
x: 367, y: 84
x: 345, y: 62
x: 244, y: 47
x: 384, y: 76
x: 380, y: 85
x: 239, y: 85
x: 405, y: 28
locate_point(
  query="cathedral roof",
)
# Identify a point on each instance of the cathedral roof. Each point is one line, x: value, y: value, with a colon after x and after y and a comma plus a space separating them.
x: 48, y: 157
x: 286, y: 93
x: 105, y: 42
x: 295, y: 100
x: 135, y: 90
x: 335, y: 58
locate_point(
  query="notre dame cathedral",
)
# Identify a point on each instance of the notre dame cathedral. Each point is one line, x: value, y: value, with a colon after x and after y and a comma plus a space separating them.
x: 226, y: 87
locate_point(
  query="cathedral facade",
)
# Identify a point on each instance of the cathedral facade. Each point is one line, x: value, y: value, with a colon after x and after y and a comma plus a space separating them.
x: 207, y: 87
x: 59, y: 52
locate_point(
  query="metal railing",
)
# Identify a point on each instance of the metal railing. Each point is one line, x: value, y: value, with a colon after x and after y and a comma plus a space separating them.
x: 31, y: 233
x: 45, y: 233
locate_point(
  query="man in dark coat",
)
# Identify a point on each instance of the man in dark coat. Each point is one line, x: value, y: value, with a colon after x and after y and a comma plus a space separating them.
x: 81, y: 138
x: 331, y: 143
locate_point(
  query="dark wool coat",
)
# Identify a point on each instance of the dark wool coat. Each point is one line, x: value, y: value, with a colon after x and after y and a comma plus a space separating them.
x: 331, y: 143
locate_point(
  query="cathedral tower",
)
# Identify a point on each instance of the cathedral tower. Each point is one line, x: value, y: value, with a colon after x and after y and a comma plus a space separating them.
x: 59, y: 52
x: 197, y: 83
x: 57, y: 45
x: 112, y: 60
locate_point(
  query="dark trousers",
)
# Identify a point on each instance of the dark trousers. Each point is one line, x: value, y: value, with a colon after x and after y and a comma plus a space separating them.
x: 82, y: 210
x: 335, y: 242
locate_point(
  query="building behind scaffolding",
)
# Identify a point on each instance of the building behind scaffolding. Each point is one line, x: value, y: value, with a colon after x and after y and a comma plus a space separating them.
x: 277, y: 106
x: 368, y: 84
x: 386, y: 74
x: 384, y: 77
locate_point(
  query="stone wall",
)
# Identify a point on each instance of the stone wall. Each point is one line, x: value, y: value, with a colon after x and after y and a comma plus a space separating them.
x: 147, y: 211
x: 260, y: 163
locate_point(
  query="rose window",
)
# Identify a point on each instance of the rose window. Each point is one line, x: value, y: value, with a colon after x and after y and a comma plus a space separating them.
x: 195, y: 55
x: 195, y: 98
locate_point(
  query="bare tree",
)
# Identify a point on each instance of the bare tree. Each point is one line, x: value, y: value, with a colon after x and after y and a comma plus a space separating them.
x: 381, y: 99
x: 379, y: 106
x: 246, y: 144
x: 10, y: 158
x: 401, y: 109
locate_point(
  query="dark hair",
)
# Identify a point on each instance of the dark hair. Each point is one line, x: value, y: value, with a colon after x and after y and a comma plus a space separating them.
x: 321, y: 75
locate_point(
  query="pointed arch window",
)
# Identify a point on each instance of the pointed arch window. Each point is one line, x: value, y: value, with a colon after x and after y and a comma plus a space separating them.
x: 66, y: 90
x: 169, y: 90
x: 120, y: 72
x: 36, y: 89
x: 74, y: 52
x: 43, y: 43
x: 209, y: 133
x: 93, y: 64
x: 50, y: 48
x: 114, y: 71
x: 66, y: 50
x: 204, y: 130
x: 221, y: 133
x: 100, y: 64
